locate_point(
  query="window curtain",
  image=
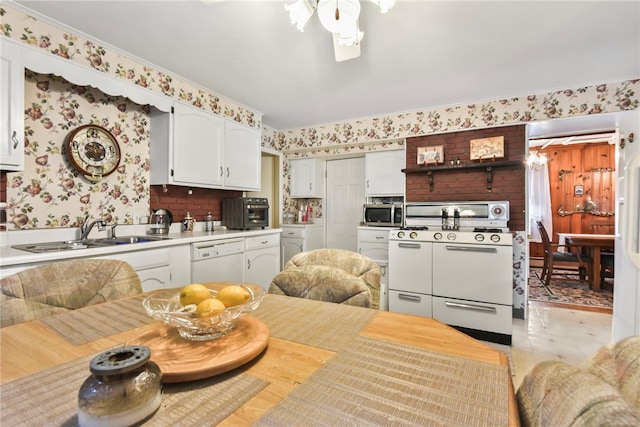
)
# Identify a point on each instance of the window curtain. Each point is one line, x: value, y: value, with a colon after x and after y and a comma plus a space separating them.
x: 539, y: 200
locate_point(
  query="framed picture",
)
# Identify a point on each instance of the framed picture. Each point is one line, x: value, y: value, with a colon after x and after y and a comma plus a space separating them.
x: 487, y: 148
x: 431, y: 155
x: 578, y: 190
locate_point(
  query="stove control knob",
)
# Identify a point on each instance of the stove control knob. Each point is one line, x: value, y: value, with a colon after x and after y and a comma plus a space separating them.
x: 451, y: 236
x: 401, y: 234
x: 479, y: 237
x: 413, y: 235
x: 437, y: 236
x: 495, y: 238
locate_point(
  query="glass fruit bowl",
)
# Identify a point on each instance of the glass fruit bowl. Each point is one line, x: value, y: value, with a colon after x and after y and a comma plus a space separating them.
x: 165, y: 306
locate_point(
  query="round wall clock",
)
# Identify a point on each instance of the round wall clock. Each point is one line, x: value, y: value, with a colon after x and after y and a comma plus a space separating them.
x: 93, y: 151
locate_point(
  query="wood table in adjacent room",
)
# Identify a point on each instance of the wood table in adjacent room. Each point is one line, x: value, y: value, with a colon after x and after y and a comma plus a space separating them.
x: 336, y: 364
x: 594, y: 244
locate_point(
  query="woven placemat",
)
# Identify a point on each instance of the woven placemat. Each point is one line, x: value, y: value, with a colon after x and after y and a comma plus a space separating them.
x: 372, y: 382
x: 50, y: 397
x: 99, y: 321
x: 316, y: 323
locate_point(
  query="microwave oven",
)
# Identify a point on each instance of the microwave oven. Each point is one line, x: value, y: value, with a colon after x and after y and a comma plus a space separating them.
x: 383, y: 215
x: 244, y: 213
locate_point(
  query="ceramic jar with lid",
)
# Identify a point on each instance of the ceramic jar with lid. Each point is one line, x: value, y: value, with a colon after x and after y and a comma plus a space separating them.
x: 189, y: 223
x: 124, y: 388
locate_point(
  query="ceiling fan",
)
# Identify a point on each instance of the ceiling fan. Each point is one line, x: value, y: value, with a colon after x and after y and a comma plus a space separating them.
x: 339, y: 17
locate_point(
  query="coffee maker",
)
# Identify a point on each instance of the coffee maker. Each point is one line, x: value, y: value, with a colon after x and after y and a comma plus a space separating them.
x: 160, y: 221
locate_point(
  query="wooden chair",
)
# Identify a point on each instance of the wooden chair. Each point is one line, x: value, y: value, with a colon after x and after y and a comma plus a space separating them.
x: 332, y: 275
x: 552, y: 255
x: 61, y: 286
x: 606, y: 267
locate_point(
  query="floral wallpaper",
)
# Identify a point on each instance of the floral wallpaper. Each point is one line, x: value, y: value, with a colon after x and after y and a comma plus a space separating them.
x: 49, y: 183
x: 19, y: 26
x: 49, y: 192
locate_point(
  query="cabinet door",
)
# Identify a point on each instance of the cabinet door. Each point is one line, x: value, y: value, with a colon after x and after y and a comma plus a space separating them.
x: 383, y: 172
x: 242, y: 157
x: 197, y: 147
x: 11, y: 107
x: 155, y: 278
x: 289, y: 248
x: 262, y: 265
x: 306, y: 178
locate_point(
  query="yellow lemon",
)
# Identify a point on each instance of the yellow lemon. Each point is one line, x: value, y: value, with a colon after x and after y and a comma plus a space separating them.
x: 210, y: 307
x: 233, y: 295
x: 194, y: 294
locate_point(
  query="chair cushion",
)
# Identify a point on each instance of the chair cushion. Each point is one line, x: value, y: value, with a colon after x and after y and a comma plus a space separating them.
x: 323, y: 283
x: 67, y: 285
x: 570, y: 257
x: 619, y: 365
x: 350, y: 262
x: 556, y: 394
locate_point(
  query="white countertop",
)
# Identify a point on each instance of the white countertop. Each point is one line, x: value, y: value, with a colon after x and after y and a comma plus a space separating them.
x: 10, y: 256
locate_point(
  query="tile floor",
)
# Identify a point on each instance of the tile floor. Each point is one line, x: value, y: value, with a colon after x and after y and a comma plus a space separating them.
x: 552, y: 333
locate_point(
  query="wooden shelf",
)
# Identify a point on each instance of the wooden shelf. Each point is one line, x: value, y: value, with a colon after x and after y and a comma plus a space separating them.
x: 487, y: 166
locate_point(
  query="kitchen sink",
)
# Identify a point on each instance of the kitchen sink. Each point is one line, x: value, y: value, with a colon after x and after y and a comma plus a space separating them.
x: 69, y: 245
x: 126, y: 240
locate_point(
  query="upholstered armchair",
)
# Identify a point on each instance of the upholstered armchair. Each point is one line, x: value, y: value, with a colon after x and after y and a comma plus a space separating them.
x: 333, y: 275
x: 604, y: 391
x: 62, y: 286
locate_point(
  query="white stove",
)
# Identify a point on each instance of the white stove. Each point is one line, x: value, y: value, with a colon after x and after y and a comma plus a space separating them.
x: 476, y: 235
x: 459, y: 272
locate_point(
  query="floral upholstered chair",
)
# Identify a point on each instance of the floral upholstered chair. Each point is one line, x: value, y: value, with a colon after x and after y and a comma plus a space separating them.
x: 62, y: 286
x: 333, y: 275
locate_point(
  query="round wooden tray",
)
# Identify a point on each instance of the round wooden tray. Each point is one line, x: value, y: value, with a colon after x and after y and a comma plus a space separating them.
x: 183, y: 360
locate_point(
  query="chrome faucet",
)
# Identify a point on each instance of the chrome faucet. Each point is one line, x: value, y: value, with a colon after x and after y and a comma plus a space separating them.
x: 86, y: 229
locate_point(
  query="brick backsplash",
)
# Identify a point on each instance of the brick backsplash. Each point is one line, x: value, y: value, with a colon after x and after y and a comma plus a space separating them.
x: 471, y: 184
x: 178, y: 200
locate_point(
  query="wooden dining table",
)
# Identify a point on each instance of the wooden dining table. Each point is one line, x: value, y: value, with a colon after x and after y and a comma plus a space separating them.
x: 334, y: 363
x: 594, y: 244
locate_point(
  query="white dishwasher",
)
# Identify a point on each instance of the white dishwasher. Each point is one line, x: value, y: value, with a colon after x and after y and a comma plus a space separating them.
x: 217, y: 261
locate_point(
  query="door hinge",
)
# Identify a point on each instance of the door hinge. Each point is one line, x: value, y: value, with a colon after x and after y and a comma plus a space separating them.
x: 171, y: 172
x: 172, y: 110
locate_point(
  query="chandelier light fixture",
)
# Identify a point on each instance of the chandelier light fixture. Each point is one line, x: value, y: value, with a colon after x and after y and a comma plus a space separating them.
x: 536, y: 160
x: 339, y: 17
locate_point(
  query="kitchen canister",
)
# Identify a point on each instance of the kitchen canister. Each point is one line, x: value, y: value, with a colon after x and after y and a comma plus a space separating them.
x: 208, y: 222
x: 124, y: 388
x: 188, y: 223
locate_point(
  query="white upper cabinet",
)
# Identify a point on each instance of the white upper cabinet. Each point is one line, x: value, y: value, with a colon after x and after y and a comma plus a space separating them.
x: 199, y: 149
x: 306, y: 178
x: 383, y: 171
x: 11, y: 107
x: 242, y: 157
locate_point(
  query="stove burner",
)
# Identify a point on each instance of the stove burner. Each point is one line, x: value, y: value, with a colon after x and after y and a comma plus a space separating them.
x: 487, y: 230
x: 415, y: 227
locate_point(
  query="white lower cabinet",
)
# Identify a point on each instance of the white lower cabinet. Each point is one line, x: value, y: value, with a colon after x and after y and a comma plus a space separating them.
x: 262, y: 259
x: 152, y: 266
x: 373, y: 242
x: 299, y: 238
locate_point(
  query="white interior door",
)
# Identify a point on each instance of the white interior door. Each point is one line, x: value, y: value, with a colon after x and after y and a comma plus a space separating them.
x: 345, y: 197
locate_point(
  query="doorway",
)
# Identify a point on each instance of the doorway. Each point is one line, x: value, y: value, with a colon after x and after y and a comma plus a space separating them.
x: 580, y: 163
x: 271, y: 165
x: 345, y: 197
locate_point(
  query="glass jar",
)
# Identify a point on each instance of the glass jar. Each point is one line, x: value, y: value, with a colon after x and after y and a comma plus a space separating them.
x: 125, y: 387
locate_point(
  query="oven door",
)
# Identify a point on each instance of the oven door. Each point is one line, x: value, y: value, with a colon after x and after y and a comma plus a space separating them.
x: 256, y: 216
x: 473, y: 272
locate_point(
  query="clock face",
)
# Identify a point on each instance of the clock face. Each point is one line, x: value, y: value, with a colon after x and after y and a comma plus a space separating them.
x: 93, y: 151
